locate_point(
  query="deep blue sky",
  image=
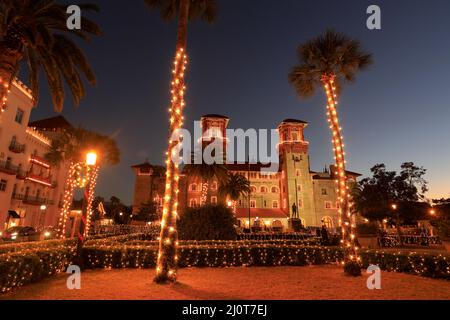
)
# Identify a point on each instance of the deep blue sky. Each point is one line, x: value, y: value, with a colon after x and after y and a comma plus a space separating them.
x: 397, y: 111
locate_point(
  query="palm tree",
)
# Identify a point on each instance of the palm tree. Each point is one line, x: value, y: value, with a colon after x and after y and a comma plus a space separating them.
x: 71, y: 147
x: 184, y: 11
x: 206, y: 173
x: 35, y: 32
x: 235, y: 187
x: 327, y: 61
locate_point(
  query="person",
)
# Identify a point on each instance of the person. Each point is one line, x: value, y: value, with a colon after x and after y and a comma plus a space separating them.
x: 294, y: 211
x: 324, y: 234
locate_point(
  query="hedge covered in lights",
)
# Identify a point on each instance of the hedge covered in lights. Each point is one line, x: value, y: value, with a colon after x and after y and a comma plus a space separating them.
x: 34, y: 262
x: 32, y: 265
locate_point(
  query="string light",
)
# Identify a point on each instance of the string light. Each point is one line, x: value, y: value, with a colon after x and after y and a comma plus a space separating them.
x: 166, y: 263
x: 344, y: 197
x: 5, y: 90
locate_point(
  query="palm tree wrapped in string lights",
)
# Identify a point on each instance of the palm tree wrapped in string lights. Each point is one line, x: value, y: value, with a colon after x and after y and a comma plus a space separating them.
x: 326, y: 62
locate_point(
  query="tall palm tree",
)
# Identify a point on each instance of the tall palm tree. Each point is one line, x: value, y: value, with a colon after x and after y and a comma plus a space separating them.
x: 184, y: 11
x: 235, y: 187
x: 206, y: 173
x: 326, y: 62
x: 35, y: 32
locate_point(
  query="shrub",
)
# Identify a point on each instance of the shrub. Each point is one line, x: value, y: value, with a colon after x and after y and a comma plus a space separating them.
x: 367, y: 228
x: 207, y: 223
x: 352, y: 268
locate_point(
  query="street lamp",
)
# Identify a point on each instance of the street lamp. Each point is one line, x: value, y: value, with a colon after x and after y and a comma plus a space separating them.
x: 399, y: 232
x: 432, y: 212
x: 91, y: 159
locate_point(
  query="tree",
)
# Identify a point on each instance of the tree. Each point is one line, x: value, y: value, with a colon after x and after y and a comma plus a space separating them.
x: 206, y: 173
x: 390, y: 195
x: 96, y: 214
x: 327, y: 61
x: 147, y: 212
x: 184, y: 11
x: 235, y: 187
x: 208, y: 223
x: 73, y: 144
x: 36, y: 33
x: 117, y: 211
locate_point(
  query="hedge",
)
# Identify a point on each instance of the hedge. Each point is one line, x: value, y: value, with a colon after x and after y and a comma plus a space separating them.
x: 28, y: 266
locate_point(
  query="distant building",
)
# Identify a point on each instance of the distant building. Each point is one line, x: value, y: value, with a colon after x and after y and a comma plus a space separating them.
x: 274, y: 197
x: 31, y: 190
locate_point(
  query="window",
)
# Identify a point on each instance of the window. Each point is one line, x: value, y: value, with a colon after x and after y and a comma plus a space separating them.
x: 240, y: 203
x: 193, y: 203
x: 265, y: 203
x: 299, y: 188
x: 294, y: 136
x: 3, y: 184
x: 193, y: 187
x: 327, y: 205
x: 263, y: 189
x: 275, y: 190
x: 297, y: 173
x: 214, y: 186
x: 327, y: 222
x: 300, y: 203
x: 19, y: 116
x: 275, y: 204
x: 253, y: 189
x: 252, y: 204
x: 324, y: 192
x: 214, y: 200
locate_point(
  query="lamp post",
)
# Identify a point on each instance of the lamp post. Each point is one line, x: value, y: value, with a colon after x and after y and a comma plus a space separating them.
x: 397, y: 216
x: 91, y: 161
x: 42, y: 216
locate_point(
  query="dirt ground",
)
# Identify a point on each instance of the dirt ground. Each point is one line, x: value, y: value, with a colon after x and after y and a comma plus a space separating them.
x: 280, y: 283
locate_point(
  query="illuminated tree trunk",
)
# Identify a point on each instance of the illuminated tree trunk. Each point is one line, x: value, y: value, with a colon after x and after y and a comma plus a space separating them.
x: 166, y: 268
x: 67, y: 201
x: 346, y: 219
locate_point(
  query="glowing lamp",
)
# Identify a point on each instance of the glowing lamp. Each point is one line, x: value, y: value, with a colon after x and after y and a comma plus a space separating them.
x: 91, y: 159
x: 43, y: 207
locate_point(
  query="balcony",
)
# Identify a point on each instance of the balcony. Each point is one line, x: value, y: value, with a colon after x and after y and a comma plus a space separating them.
x: 40, y: 179
x: 16, y: 147
x: 40, y: 162
x: 8, y: 168
x: 34, y: 201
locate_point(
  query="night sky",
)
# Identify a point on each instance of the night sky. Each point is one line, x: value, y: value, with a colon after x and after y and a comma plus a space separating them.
x: 396, y: 111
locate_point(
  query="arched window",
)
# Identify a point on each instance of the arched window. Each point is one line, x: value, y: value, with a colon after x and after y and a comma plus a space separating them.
x: 253, y: 189
x: 193, y: 187
x: 275, y: 190
x: 275, y: 204
x: 193, y: 203
x: 327, y: 222
x: 263, y: 189
x: 214, y: 186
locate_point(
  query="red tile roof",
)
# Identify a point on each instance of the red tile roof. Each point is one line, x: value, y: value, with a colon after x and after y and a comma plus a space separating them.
x: 261, y: 213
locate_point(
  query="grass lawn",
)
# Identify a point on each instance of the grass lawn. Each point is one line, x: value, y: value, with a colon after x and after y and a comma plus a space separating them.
x: 280, y: 283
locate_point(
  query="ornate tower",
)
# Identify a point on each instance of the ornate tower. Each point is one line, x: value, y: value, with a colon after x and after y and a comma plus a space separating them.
x: 214, y: 127
x: 296, y: 183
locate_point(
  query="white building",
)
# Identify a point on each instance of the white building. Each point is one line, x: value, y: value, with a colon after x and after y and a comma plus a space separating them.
x: 31, y: 189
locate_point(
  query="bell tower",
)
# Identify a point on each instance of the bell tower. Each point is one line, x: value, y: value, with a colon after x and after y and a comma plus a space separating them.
x: 214, y: 127
x: 297, y: 187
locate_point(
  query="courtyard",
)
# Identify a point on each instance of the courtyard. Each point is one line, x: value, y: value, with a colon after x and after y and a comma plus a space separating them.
x: 256, y: 283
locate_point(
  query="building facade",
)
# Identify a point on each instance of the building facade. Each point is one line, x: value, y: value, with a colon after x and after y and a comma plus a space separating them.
x: 31, y: 189
x: 276, y: 197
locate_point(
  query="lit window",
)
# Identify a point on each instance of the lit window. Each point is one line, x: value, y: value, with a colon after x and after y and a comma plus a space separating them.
x: 275, y: 204
x: 213, y: 200
x: 193, y: 187
x: 214, y: 186
x: 193, y: 203
x: 263, y: 189
x: 294, y: 136
x: 275, y: 190
x: 327, y: 205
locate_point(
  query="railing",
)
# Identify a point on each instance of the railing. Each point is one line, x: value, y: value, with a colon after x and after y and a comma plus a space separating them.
x: 37, y: 201
x: 16, y: 147
x: 8, y: 168
x: 40, y: 179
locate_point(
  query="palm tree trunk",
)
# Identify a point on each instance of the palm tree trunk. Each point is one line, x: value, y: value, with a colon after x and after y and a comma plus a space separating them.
x: 345, y: 211
x: 9, y: 60
x: 166, y: 268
